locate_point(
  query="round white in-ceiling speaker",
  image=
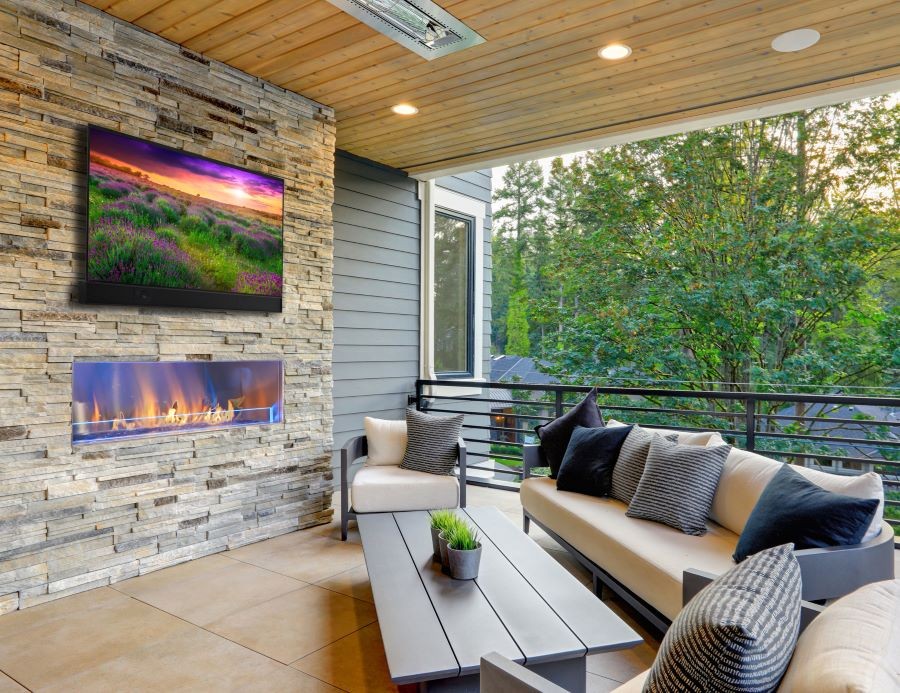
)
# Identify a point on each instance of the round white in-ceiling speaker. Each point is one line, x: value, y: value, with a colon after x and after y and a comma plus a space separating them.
x: 796, y: 40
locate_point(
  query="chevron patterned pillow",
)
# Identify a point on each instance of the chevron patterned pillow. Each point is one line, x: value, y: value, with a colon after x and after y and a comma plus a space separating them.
x: 678, y: 485
x: 738, y: 634
x: 432, y: 441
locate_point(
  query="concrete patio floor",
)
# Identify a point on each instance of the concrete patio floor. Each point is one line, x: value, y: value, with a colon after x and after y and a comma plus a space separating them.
x: 293, y: 613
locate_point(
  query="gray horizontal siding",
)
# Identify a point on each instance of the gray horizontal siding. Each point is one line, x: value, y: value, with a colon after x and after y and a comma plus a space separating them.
x: 376, y: 294
x: 376, y: 289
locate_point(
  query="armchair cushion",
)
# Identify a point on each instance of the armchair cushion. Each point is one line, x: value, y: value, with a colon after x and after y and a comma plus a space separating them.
x: 386, y: 488
x: 386, y: 439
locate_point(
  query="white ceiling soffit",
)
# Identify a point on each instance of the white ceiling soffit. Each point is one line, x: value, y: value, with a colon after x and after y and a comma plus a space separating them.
x: 420, y: 25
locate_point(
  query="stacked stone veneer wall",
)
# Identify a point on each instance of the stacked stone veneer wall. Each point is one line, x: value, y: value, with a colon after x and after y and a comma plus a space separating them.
x: 76, y: 518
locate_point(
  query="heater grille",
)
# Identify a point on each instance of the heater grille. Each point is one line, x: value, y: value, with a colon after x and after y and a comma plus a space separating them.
x: 419, y: 25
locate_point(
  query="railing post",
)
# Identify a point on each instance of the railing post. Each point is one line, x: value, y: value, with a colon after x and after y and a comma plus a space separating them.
x: 750, y: 422
x: 559, y: 403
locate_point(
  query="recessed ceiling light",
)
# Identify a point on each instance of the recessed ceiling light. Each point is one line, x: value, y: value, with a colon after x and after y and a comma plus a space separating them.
x: 404, y: 109
x: 796, y: 40
x: 614, y: 51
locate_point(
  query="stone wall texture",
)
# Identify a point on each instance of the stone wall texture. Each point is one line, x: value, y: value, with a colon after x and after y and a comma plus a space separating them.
x: 76, y: 518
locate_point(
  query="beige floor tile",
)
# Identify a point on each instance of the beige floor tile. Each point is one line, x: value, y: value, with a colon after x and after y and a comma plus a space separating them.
x: 207, y: 589
x: 355, y: 663
x: 191, y: 660
x: 54, y: 641
x: 304, y: 555
x: 623, y: 665
x: 353, y: 583
x: 291, y: 626
x: 7, y: 685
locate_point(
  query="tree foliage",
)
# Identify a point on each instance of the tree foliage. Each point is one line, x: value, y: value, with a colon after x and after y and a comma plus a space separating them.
x: 754, y: 254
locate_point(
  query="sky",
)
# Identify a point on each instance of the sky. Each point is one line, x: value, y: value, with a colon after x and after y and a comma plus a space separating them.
x: 498, y: 171
x: 190, y: 174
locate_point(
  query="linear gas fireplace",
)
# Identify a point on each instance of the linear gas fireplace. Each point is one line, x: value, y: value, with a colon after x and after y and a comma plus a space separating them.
x: 116, y: 399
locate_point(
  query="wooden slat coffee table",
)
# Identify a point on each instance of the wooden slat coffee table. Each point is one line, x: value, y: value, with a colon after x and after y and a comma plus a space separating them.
x: 523, y: 605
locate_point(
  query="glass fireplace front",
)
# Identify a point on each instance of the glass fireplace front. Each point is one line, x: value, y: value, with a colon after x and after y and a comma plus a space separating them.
x: 119, y: 399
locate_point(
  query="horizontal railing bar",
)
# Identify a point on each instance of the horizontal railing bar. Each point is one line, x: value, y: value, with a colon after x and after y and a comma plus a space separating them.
x: 491, y: 442
x: 684, y: 412
x: 505, y: 429
x: 498, y: 456
x: 463, y: 398
x: 504, y: 470
x: 827, y: 419
x: 480, y: 413
x: 861, y: 442
x: 833, y: 458
x: 696, y: 394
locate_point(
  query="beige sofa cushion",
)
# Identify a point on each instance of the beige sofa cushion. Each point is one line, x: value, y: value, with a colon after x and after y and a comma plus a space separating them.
x: 746, y: 474
x: 386, y: 488
x: 647, y: 557
x: 706, y: 438
x: 853, y: 646
x: 386, y: 440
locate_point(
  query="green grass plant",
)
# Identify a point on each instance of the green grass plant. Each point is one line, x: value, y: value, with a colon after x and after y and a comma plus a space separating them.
x: 462, y: 537
x: 443, y: 519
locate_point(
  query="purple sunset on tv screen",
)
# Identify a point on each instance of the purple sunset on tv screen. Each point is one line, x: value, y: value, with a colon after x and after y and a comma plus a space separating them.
x: 158, y: 217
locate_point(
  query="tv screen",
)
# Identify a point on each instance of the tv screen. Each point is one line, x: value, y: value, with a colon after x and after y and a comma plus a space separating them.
x: 167, y: 227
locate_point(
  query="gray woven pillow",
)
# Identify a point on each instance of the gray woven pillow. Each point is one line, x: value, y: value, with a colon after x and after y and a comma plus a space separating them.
x: 678, y: 485
x: 630, y: 466
x: 432, y: 442
x: 738, y: 633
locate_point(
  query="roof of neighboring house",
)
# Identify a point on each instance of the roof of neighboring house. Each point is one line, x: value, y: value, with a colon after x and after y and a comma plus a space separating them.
x: 518, y: 369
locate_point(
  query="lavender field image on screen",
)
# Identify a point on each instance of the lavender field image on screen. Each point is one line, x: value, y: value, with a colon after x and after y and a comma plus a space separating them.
x: 158, y: 217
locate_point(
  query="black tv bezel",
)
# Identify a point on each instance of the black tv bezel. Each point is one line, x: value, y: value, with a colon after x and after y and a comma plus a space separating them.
x: 111, y: 293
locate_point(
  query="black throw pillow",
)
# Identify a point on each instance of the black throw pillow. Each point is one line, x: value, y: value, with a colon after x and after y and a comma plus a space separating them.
x: 589, y: 460
x: 792, y: 509
x: 555, y: 435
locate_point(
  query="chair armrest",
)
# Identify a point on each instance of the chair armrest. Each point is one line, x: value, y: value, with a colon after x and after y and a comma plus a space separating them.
x: 695, y: 580
x: 532, y: 456
x: 501, y: 675
x: 461, y: 455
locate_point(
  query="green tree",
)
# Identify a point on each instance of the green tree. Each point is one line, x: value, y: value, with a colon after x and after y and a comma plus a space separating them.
x: 519, y: 218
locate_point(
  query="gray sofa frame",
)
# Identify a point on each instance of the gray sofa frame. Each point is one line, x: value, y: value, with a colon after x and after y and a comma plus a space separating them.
x: 358, y: 447
x: 827, y: 573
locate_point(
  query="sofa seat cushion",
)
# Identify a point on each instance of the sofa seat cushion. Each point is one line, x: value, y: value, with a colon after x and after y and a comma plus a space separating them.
x: 747, y: 474
x: 385, y: 488
x: 647, y: 557
x: 854, y: 645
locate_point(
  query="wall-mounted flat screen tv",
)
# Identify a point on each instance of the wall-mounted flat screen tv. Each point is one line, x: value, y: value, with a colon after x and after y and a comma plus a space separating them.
x: 171, y: 228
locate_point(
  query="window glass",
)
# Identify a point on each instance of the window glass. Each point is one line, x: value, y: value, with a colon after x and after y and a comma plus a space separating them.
x: 453, y: 279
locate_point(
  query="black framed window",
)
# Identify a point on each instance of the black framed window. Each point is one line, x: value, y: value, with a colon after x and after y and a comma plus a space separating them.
x: 454, y: 295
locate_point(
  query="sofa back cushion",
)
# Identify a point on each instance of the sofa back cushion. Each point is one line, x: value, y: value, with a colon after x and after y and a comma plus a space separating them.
x: 707, y: 438
x: 854, y: 645
x: 386, y: 440
x: 747, y: 474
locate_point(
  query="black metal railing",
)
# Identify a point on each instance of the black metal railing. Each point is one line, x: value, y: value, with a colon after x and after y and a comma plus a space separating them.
x: 839, y: 433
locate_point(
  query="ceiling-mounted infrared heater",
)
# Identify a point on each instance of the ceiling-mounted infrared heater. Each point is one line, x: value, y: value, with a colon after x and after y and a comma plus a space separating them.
x: 419, y: 25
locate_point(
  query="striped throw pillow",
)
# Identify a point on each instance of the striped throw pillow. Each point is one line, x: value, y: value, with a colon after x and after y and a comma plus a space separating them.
x: 630, y: 465
x: 738, y: 633
x: 432, y: 442
x: 678, y: 485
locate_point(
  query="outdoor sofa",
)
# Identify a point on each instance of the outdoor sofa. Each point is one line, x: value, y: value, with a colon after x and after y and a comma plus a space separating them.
x: 643, y: 561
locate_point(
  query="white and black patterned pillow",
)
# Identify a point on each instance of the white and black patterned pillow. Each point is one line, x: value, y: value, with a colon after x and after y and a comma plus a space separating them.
x: 432, y: 442
x: 630, y: 465
x: 678, y: 485
x: 738, y: 634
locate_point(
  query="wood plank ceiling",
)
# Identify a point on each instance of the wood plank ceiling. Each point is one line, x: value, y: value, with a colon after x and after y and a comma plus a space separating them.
x: 537, y: 81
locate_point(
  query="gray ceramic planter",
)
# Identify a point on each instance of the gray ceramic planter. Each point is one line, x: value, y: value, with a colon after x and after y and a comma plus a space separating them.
x: 435, y: 545
x: 464, y: 564
x: 444, y: 551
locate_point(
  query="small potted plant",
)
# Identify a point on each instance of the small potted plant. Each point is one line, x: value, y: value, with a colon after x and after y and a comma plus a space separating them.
x: 463, y: 551
x: 440, y: 520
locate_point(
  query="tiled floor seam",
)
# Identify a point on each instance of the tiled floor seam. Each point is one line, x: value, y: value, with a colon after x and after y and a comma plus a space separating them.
x: 250, y: 649
x: 13, y: 678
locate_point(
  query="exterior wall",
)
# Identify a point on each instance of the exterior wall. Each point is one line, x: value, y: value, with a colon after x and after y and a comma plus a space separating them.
x: 376, y: 294
x: 76, y: 518
x: 377, y: 275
